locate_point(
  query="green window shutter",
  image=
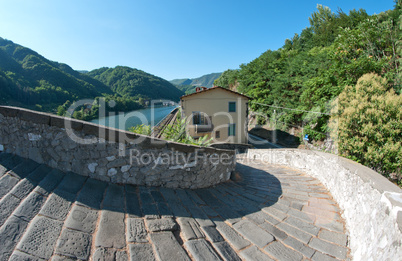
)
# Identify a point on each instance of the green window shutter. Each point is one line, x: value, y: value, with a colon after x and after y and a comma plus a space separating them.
x: 232, y: 106
x: 232, y: 129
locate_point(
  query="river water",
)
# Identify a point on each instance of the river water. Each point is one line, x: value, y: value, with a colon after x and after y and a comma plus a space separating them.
x: 124, y: 121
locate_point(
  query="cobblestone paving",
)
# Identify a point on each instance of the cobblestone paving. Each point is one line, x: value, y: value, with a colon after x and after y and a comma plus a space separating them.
x: 268, y: 213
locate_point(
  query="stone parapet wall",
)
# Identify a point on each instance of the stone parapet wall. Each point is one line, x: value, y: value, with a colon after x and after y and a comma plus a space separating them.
x: 109, y: 154
x: 371, y: 205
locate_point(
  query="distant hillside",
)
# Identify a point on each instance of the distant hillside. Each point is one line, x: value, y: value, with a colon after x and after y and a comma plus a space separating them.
x: 128, y: 81
x: 28, y: 79
x: 188, y: 85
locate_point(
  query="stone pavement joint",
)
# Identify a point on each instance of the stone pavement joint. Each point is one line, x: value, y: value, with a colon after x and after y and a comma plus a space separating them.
x: 270, y: 213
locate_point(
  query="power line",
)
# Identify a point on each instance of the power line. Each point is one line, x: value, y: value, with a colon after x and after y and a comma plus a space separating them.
x: 273, y: 106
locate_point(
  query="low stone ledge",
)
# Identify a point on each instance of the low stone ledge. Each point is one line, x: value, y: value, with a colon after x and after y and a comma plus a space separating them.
x: 371, y: 205
x: 110, y: 154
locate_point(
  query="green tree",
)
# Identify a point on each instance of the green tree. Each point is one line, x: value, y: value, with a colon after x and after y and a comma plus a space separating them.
x: 368, y: 126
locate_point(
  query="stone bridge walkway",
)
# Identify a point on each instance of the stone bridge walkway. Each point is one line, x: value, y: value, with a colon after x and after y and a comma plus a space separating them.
x: 269, y: 213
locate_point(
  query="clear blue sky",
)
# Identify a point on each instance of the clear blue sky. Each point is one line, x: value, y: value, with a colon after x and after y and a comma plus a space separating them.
x: 168, y: 38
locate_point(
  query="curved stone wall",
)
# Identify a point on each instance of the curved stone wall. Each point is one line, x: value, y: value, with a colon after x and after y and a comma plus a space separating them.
x: 109, y: 154
x: 371, y: 205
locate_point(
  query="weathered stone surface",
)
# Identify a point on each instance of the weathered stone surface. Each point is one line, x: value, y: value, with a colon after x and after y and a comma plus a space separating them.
x: 92, y: 193
x: 167, y: 248
x: 299, y: 246
x: 281, y: 252
x: 190, y: 228
x: 253, y: 253
x: 111, y: 230
x: 106, y: 254
x: 328, y: 248
x: 232, y: 236
x: 114, y: 198
x: 273, y: 230
x: 58, y: 205
x: 132, y: 203
x: 141, y: 252
x: 72, y: 183
x: 82, y: 219
x: 334, y: 237
x: 306, y: 227
x: 201, y: 250
x: 7, y: 182
x: 7, y: 205
x: 20, y: 256
x: 62, y: 258
x: 253, y: 233
x: 10, y: 234
x: 23, y: 188
x: 298, y: 234
x: 30, y: 206
x: 74, y: 244
x: 161, y: 224
x: 226, y: 251
x: 50, y: 182
x: 199, y: 208
x: 39, y: 174
x: 136, y: 231
x: 40, y: 238
x: 212, y: 234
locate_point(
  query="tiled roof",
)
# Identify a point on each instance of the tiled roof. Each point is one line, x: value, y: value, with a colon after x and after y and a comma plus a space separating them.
x: 215, y: 88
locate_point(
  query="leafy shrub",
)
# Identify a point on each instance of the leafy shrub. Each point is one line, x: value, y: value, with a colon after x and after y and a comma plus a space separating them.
x: 370, y: 125
x: 141, y: 129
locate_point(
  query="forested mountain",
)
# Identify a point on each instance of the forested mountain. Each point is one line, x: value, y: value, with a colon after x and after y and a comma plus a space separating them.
x: 188, y: 85
x: 27, y: 79
x: 127, y: 81
x: 313, y: 68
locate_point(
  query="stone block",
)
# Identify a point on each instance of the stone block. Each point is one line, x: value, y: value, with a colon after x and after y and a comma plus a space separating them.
x: 161, y: 224
x: 30, y: 206
x: 92, y: 193
x: 142, y: 252
x: 231, y: 235
x: 334, y: 237
x: 7, y: 205
x: 281, y: 252
x: 114, y: 198
x: 167, y: 247
x: 226, y: 251
x: 82, y: 219
x: 328, y: 248
x: 40, y: 238
x: 212, y: 234
x: 111, y: 229
x: 20, y: 256
x: 136, y: 231
x: 58, y: 205
x: 201, y: 250
x: 253, y: 253
x: 299, y: 246
x: 190, y: 228
x: 74, y: 244
x: 46, y: 186
x: 253, y: 233
x: 7, y: 183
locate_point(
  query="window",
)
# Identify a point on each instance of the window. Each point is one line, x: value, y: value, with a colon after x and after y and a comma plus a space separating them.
x: 232, y: 106
x: 232, y: 129
x: 199, y: 118
x: 217, y: 134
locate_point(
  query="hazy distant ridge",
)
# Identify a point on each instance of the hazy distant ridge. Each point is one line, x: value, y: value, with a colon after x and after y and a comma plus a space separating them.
x: 205, y: 80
